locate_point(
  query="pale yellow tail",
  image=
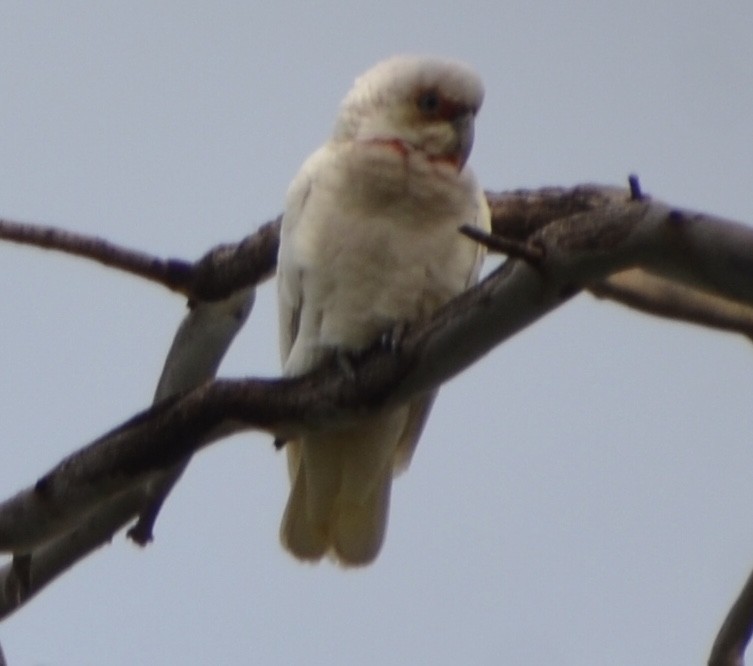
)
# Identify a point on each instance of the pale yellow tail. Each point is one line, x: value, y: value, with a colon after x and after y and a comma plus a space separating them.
x: 352, y: 534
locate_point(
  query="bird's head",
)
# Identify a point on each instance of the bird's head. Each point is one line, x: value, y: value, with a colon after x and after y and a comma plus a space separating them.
x: 419, y: 103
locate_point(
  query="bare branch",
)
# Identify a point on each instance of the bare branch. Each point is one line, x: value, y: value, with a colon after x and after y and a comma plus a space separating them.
x: 174, y: 429
x: 516, y: 216
x: 577, y: 250
x: 665, y: 298
x: 495, y: 243
x: 227, y: 268
x: 198, y: 348
x: 220, y: 272
x: 690, y: 266
x: 172, y: 273
x: 56, y: 556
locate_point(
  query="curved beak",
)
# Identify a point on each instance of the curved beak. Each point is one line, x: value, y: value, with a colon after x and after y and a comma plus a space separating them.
x: 463, y: 126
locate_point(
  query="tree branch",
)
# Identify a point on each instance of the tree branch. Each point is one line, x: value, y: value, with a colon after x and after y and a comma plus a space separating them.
x: 197, y: 350
x: 194, y: 357
x: 221, y: 271
x: 584, y: 236
x: 577, y: 250
x: 516, y: 216
x: 58, y: 555
x: 172, y: 273
x: 659, y: 296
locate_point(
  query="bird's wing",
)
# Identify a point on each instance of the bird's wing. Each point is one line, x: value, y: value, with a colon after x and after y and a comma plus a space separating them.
x: 297, y: 353
x: 289, y: 288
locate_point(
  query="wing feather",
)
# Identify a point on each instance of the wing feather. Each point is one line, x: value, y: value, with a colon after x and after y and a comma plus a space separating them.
x: 290, y: 293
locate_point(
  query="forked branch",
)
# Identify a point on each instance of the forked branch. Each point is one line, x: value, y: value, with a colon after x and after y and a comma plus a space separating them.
x: 583, y: 236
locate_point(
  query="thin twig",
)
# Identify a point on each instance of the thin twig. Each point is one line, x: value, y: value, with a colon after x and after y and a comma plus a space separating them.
x: 512, y: 248
x: 220, y: 272
x: 175, y: 274
x: 635, y: 188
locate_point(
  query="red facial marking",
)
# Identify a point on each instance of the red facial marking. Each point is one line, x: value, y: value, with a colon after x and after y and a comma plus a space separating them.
x: 400, y: 147
x: 404, y: 150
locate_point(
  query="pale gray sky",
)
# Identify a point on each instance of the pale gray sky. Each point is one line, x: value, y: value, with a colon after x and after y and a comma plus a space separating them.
x: 581, y: 496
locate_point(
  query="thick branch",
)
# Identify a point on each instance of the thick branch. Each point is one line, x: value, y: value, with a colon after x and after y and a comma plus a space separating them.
x: 194, y: 357
x: 519, y: 214
x: 516, y: 216
x: 582, y: 236
x: 577, y: 251
x: 227, y: 268
x: 199, y: 345
x: 57, y: 555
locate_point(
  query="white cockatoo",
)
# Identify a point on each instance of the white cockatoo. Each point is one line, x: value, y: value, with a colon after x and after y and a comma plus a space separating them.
x: 370, y: 241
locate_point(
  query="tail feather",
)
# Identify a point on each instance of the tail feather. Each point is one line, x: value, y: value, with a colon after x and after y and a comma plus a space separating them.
x: 352, y: 532
x: 297, y: 532
x: 358, y: 529
x: 340, y: 498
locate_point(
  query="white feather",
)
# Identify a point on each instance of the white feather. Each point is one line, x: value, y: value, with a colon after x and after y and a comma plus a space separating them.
x: 369, y: 240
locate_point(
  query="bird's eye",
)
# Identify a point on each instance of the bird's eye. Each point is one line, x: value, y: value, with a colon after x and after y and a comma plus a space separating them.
x: 428, y: 102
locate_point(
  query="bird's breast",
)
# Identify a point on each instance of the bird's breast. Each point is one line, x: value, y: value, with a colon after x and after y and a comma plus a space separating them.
x: 382, y: 246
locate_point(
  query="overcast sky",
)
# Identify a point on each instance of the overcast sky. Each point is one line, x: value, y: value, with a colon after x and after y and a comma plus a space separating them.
x: 581, y: 496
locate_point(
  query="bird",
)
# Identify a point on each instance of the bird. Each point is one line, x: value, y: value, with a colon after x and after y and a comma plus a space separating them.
x: 370, y: 242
